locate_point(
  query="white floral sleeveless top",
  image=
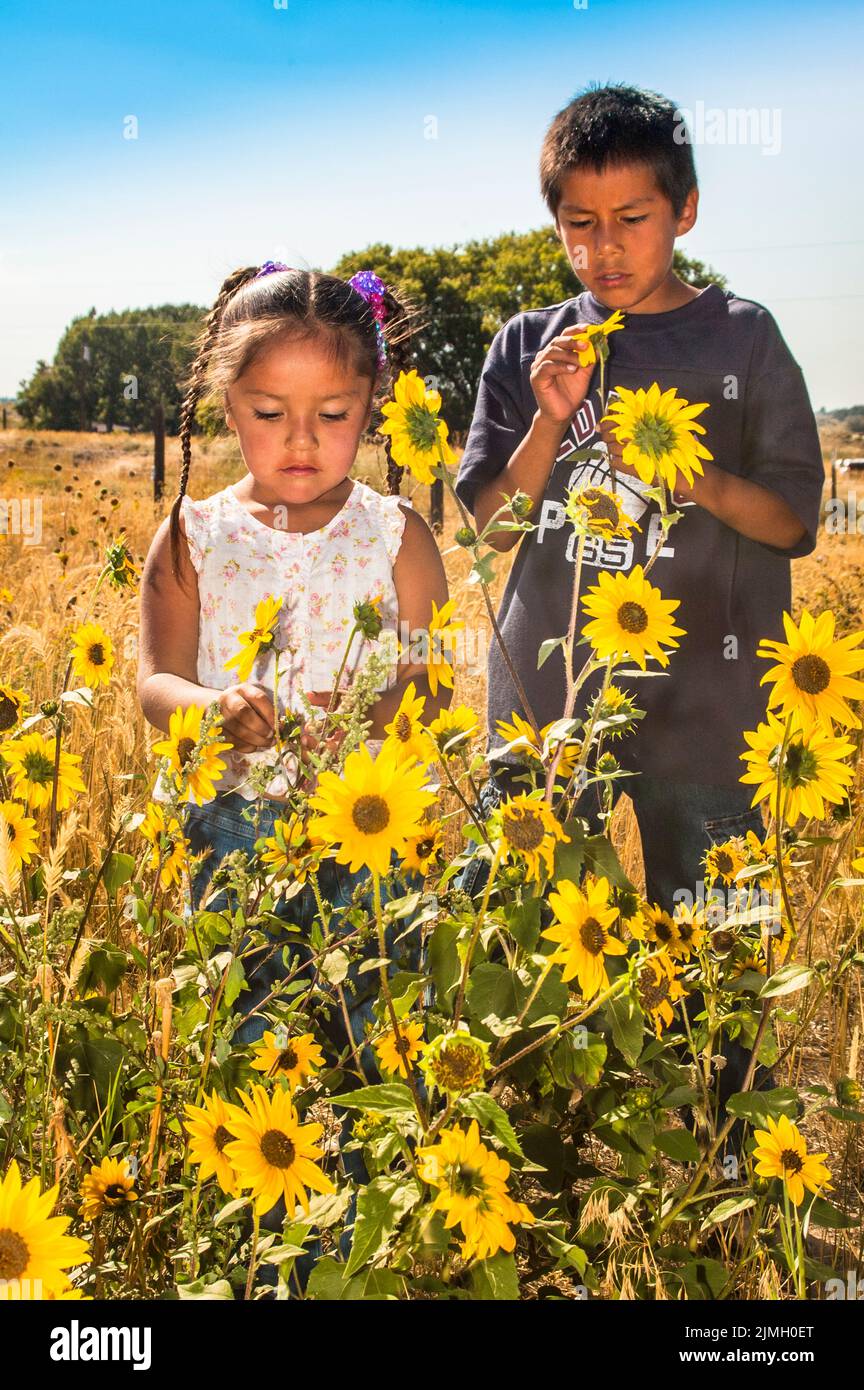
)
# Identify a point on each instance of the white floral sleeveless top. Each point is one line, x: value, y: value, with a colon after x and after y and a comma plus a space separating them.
x: 319, y: 576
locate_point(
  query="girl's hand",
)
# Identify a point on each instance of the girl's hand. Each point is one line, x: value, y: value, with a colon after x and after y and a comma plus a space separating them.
x: 247, y: 717
x: 311, y: 739
x: 559, y: 384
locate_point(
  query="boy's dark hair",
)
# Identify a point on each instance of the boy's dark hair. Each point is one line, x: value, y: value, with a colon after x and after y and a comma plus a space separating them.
x: 251, y: 313
x: 619, y: 125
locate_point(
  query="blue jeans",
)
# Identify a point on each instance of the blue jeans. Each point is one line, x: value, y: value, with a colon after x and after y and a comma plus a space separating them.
x: 678, y: 822
x: 220, y: 825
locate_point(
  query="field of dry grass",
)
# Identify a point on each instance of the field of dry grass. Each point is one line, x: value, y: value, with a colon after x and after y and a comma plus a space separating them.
x: 90, y: 486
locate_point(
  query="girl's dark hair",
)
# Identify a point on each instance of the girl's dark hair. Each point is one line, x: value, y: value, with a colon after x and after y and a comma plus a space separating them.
x: 251, y: 314
x: 619, y: 125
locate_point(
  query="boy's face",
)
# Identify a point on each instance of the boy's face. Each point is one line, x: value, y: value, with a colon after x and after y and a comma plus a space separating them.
x: 619, y: 233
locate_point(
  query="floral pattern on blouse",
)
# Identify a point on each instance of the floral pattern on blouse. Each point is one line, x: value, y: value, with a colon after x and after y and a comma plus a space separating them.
x: 319, y: 575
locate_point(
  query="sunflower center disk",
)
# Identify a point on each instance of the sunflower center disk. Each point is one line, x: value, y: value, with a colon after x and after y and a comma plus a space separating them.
x: 592, y: 936
x: 221, y: 1137
x: 277, y: 1148
x: 792, y: 1161
x: 96, y: 654
x: 8, y: 713
x: 526, y: 833
x: 811, y: 674
x: 632, y: 617
x: 115, y: 1192
x: 723, y: 862
x: 287, y: 1059
x: 652, y: 992
x: 654, y: 436
x: 371, y: 814
x: 403, y: 727
x: 14, y: 1254
x: 185, y: 749
x: 599, y: 507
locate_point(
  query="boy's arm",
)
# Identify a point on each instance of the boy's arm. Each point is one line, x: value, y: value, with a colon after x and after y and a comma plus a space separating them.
x: 777, y: 496
x: 506, y: 453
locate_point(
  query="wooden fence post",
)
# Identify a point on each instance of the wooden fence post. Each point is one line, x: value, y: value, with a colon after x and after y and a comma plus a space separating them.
x: 158, y: 451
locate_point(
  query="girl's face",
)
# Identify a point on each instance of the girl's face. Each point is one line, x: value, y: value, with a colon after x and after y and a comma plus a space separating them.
x: 298, y: 416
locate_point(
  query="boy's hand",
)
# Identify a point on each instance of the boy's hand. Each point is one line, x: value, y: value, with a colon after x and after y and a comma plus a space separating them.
x: 247, y: 717
x: 616, y: 450
x: 559, y: 384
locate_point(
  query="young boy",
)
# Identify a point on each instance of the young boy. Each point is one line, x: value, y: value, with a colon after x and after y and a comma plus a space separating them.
x: 618, y: 176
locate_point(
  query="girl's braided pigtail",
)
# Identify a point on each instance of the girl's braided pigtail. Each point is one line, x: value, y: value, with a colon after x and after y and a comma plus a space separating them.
x: 194, y: 390
x: 399, y: 328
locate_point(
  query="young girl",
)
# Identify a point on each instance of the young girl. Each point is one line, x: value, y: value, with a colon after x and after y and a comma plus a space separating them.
x: 299, y: 361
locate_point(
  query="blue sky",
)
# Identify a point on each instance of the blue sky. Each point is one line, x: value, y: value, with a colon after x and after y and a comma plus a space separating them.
x: 297, y: 130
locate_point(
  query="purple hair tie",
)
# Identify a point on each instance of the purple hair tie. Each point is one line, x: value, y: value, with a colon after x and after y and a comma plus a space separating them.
x: 372, y: 289
x: 269, y: 268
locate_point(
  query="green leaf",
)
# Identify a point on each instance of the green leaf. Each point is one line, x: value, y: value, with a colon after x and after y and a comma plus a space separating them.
x: 334, y: 966
x: 390, y: 1098
x: 495, y: 1279
x: 381, y: 1204
x: 523, y: 922
x: 786, y: 981
x: 547, y: 648
x: 578, y: 1056
x: 235, y: 980
x: 483, y: 569
x: 118, y: 870
x: 678, y: 1144
x: 218, y: 1289
x: 724, y: 1210
x: 823, y: 1213
x: 756, y: 1106
x: 704, y: 1279
x: 628, y: 1025
x: 444, y: 964
x: 488, y: 1113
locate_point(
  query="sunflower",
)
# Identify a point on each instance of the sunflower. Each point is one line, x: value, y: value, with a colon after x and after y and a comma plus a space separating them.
x: 529, y: 829
x: 812, y: 678
x: 405, y: 729
x: 170, y: 846
x: 658, y: 989
x: 373, y: 808
x: 518, y: 736
x: 452, y: 729
x: 35, y: 1251
x: 584, y: 917
x: 658, y: 927
x: 689, y: 931
x: 389, y: 1056
x: 5, y: 595
x: 424, y: 850
x: 658, y: 430
x: 418, y: 436
x: 107, y: 1186
x: 12, y: 702
x: 19, y: 833
x: 472, y: 1191
x: 813, y: 770
x: 31, y: 760
x: 208, y: 1129
x: 442, y: 645
x: 596, y: 331
x: 291, y: 851
x: 455, y: 1062
x: 598, y: 512
x: 630, y: 618
x: 273, y: 1154
x: 257, y: 639
x: 782, y: 1153
x: 123, y: 573
x: 724, y: 861
x: 295, y: 1058
x: 858, y: 863
x: 194, y: 761
x: 92, y: 655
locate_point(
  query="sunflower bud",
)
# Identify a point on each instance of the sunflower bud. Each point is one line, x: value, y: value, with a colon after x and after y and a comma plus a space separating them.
x: 466, y: 536
x: 848, y: 1091
x: 722, y: 941
x: 521, y: 505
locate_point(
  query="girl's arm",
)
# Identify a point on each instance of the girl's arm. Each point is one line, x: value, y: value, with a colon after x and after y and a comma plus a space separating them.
x: 420, y: 579
x: 168, y: 654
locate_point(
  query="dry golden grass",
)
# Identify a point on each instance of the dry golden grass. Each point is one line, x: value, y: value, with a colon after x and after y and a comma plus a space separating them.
x: 93, y: 485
